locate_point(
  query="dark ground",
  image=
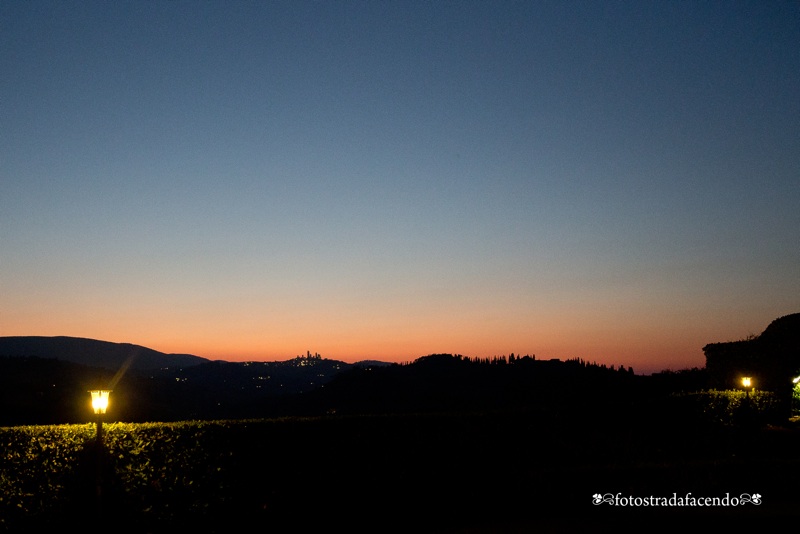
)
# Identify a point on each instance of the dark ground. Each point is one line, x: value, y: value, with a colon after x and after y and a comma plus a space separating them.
x: 480, y: 473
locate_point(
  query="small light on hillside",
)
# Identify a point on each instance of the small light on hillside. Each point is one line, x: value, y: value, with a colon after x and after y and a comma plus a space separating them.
x: 100, y: 400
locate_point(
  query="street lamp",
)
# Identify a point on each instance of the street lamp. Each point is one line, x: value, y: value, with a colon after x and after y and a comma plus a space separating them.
x: 100, y: 400
x: 747, y: 382
x: 100, y: 405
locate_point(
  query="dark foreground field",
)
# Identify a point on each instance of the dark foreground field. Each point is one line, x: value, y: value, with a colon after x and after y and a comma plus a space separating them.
x: 513, y: 471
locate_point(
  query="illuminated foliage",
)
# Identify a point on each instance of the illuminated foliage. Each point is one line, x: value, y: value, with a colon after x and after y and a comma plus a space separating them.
x: 41, y: 466
x: 796, y: 399
x: 733, y: 407
x: 35, y: 464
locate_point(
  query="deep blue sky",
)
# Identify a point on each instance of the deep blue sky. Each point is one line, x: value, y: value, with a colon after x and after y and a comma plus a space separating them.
x: 616, y: 181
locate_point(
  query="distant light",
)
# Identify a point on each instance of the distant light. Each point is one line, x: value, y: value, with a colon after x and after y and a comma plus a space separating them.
x: 100, y: 400
x: 796, y: 380
x: 746, y: 381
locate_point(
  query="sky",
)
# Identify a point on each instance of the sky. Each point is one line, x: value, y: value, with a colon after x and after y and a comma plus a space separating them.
x: 616, y: 181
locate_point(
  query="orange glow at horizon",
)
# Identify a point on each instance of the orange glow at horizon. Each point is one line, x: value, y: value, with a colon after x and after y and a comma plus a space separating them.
x: 635, y: 336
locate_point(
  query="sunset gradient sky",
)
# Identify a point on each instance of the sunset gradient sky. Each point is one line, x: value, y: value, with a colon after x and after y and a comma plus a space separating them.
x: 616, y: 181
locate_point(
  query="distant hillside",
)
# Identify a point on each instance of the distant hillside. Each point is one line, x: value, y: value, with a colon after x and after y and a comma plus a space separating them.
x: 36, y: 390
x: 447, y: 383
x: 45, y: 390
x: 94, y: 353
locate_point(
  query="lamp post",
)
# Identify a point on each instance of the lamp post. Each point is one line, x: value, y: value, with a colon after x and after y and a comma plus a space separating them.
x: 99, y: 405
x: 747, y: 382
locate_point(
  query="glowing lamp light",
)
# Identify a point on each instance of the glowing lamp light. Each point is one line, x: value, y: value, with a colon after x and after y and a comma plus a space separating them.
x: 796, y: 380
x: 746, y: 381
x: 100, y: 400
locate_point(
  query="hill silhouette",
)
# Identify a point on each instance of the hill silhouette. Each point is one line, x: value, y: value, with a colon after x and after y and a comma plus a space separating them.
x: 46, y: 391
x: 44, y: 381
x: 447, y: 382
x: 36, y: 390
x: 94, y: 353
